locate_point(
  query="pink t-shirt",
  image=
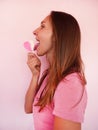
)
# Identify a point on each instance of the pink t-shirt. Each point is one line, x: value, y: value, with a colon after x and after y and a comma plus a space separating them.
x: 69, y: 103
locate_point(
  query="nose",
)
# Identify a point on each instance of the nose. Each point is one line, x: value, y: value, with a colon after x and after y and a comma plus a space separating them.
x: 35, y: 32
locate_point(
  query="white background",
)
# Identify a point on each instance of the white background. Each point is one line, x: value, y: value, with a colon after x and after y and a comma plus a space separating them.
x: 18, y: 18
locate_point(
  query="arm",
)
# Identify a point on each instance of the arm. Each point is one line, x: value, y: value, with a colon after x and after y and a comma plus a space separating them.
x: 70, y: 103
x: 34, y: 65
x: 62, y: 124
x: 30, y: 94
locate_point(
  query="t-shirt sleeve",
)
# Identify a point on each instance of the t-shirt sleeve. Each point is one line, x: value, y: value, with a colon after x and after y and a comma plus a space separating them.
x: 70, y: 99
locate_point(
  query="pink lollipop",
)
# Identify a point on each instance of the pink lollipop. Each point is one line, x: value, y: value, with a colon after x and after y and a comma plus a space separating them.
x: 29, y: 45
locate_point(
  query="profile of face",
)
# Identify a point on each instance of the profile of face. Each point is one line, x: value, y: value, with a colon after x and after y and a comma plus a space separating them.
x: 43, y: 35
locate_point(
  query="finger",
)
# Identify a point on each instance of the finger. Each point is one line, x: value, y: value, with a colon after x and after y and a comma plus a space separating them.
x: 31, y: 54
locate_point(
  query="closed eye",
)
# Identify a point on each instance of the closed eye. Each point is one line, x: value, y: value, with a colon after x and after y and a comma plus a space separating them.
x: 42, y: 26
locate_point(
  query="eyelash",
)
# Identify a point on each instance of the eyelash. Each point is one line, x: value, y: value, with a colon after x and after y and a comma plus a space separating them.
x: 42, y: 26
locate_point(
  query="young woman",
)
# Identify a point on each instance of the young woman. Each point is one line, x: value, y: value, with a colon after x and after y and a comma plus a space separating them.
x: 58, y: 100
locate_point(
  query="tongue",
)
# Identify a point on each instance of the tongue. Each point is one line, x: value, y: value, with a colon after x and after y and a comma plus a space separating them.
x: 35, y: 46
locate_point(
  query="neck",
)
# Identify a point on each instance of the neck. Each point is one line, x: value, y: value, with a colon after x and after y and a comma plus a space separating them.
x: 49, y: 57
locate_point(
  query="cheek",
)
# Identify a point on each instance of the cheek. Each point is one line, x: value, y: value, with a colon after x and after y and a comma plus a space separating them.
x: 45, y: 42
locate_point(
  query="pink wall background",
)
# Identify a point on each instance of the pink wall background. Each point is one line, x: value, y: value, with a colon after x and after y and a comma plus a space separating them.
x: 18, y: 18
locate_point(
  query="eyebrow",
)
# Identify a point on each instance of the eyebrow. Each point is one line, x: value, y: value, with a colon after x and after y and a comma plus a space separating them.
x: 42, y: 22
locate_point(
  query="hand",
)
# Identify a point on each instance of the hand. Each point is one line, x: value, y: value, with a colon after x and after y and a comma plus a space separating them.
x: 34, y: 64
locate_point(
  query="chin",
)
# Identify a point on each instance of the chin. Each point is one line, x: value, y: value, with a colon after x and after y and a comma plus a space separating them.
x: 40, y: 53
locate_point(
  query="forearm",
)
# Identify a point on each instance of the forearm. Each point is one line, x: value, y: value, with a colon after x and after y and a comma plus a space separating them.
x: 30, y: 94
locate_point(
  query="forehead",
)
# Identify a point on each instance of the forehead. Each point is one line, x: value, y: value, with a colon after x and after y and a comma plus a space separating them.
x: 46, y: 19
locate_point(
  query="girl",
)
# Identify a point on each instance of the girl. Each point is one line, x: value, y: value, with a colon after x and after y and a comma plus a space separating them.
x: 58, y: 100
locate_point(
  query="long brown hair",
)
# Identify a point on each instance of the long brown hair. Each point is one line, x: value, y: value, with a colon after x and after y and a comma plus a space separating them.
x: 67, y: 57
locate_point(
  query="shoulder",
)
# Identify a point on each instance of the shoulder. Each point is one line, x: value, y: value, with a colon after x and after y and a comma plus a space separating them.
x: 69, y: 89
x: 71, y: 81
